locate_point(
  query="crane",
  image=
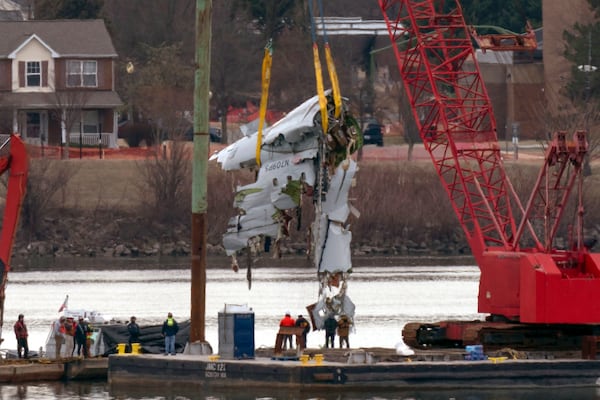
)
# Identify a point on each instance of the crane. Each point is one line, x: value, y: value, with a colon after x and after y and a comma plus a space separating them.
x: 16, y: 162
x: 533, y: 291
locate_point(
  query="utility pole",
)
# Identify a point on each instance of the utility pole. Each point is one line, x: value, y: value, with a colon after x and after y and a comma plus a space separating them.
x: 198, y: 344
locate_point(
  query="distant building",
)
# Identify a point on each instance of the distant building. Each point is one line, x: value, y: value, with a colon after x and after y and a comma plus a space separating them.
x: 57, y: 81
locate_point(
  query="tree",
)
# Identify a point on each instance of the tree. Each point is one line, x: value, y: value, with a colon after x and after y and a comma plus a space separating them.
x: 584, y: 84
x: 163, y: 91
x: 68, y: 9
x: 271, y: 17
x: 46, y: 179
x: 580, y: 51
x: 508, y: 14
x: 68, y: 109
x: 165, y: 185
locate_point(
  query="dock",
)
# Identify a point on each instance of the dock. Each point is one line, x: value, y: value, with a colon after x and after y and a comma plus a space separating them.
x: 34, y: 370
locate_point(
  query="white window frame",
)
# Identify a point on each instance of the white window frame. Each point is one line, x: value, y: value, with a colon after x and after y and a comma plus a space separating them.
x: 82, y: 73
x: 33, y: 69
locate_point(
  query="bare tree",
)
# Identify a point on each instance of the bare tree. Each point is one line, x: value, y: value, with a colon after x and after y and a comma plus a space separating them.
x: 68, y: 109
x: 165, y: 184
x: 163, y: 92
x: 45, y: 180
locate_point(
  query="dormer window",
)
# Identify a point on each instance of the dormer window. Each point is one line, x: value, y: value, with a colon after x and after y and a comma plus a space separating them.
x: 82, y: 73
x: 34, y: 74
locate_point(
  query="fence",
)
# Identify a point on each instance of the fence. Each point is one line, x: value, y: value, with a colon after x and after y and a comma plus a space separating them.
x: 91, y: 139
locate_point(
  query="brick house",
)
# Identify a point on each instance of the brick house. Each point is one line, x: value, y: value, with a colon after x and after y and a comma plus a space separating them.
x: 57, y: 82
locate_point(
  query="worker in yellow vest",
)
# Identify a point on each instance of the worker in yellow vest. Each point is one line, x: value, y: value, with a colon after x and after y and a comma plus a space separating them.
x: 169, y: 330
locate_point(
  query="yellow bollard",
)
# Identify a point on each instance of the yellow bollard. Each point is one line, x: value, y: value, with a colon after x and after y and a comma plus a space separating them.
x: 304, y: 359
x: 121, y: 348
x: 318, y: 359
x: 135, y: 348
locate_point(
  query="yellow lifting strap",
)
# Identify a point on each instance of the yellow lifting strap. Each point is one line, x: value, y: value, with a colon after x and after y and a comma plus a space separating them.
x: 335, y: 85
x: 266, y: 80
x: 320, y: 90
x: 318, y: 72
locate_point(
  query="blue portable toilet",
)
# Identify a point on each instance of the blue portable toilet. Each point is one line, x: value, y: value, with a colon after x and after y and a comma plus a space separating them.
x: 236, y: 332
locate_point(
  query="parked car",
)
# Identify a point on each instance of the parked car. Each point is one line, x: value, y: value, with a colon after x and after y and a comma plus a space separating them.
x: 214, y: 133
x: 372, y: 134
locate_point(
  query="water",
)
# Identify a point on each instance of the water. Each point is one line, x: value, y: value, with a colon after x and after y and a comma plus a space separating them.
x: 385, y: 297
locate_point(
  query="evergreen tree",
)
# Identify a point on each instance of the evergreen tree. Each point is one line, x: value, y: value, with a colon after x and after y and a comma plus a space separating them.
x: 581, y: 49
x: 68, y: 9
x: 509, y: 14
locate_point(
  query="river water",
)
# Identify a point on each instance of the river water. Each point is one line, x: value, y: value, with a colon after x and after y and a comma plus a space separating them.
x: 386, y: 297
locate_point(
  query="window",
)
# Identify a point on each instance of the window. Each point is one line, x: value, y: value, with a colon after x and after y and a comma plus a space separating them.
x: 82, y: 73
x: 34, y: 73
x: 88, y: 122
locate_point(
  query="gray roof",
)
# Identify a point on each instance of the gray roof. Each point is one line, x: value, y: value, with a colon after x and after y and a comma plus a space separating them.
x: 93, y: 99
x: 68, y: 38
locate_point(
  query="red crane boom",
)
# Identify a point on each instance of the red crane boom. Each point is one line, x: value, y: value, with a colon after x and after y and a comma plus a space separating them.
x: 524, y: 279
x: 16, y: 162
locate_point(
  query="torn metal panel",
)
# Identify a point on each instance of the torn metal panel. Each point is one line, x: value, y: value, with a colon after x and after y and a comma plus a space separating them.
x: 336, y: 250
x: 295, y: 133
x: 336, y: 203
x: 341, y: 305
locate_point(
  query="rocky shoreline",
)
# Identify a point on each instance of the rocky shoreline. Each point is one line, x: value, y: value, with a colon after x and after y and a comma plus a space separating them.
x: 122, y: 238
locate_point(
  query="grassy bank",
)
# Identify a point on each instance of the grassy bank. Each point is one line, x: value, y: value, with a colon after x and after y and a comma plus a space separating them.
x: 403, y: 209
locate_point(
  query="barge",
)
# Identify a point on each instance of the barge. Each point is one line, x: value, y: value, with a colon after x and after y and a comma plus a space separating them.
x: 354, y: 370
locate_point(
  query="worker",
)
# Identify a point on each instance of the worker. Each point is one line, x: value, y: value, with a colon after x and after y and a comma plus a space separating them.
x: 69, y: 342
x: 169, y: 330
x: 80, y: 337
x: 287, y: 321
x: 330, y: 325
x: 343, y: 330
x: 134, y: 331
x: 58, y: 330
x: 21, y: 335
x: 301, y: 322
x: 88, y: 336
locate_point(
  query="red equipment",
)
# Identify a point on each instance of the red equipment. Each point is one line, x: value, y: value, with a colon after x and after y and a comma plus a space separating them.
x: 17, y: 162
x: 526, y: 283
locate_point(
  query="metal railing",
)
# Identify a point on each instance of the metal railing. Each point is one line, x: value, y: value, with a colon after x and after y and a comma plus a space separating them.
x: 91, y: 139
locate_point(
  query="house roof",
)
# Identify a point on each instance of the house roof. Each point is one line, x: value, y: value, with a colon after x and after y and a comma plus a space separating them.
x: 93, y: 99
x: 68, y: 38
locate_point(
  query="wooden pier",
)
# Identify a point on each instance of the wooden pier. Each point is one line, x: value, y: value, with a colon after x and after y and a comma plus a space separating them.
x: 13, y: 371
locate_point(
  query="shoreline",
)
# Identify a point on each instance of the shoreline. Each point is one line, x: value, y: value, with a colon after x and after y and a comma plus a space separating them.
x: 74, y: 263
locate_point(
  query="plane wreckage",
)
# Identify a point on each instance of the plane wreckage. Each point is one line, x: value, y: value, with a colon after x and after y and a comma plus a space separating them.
x: 297, y: 158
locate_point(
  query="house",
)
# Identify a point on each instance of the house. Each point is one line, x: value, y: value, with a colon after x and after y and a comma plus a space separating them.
x: 57, y: 82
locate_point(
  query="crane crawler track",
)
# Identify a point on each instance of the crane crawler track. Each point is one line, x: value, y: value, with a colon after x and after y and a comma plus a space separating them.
x: 497, y: 335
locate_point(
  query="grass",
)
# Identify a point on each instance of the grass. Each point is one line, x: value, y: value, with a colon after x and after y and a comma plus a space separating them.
x: 398, y: 201
x: 106, y: 183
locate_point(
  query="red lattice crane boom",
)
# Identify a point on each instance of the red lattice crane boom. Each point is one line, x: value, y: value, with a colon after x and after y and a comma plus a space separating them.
x: 524, y: 279
x: 17, y: 163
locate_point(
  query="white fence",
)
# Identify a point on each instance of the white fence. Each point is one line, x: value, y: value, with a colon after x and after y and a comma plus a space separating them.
x: 91, y: 139
x: 88, y: 140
